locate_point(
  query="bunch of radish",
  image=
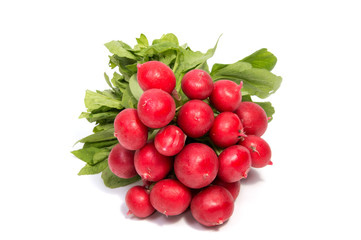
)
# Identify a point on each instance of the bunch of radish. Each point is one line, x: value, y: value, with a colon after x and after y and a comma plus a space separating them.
x: 179, y: 166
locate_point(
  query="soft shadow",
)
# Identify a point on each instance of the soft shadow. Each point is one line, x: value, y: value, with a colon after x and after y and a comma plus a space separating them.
x: 124, y: 209
x: 97, y: 181
x: 155, y: 218
x: 196, y: 225
x: 161, y: 219
x: 252, y: 178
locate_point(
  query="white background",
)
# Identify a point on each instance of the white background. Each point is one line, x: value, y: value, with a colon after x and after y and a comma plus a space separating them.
x: 52, y: 51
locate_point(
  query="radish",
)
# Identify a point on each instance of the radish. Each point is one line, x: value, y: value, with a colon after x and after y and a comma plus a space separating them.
x: 154, y: 74
x: 195, y: 118
x: 170, y: 197
x: 253, y: 118
x: 226, y: 95
x: 121, y: 162
x: 197, y: 84
x: 131, y: 133
x: 233, y: 187
x: 156, y: 108
x: 234, y: 163
x: 227, y: 129
x: 138, y: 202
x: 259, y: 149
x: 212, y: 206
x: 196, y: 166
x: 150, y: 164
x: 170, y: 140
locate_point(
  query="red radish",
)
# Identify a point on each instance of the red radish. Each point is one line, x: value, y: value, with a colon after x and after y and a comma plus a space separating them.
x: 121, y: 162
x: 233, y: 187
x: 226, y: 95
x: 259, y: 149
x: 212, y: 206
x: 234, y: 163
x: 150, y: 164
x: 132, y: 134
x: 156, y: 108
x: 154, y: 74
x: 138, y: 202
x: 253, y: 118
x: 196, y: 166
x: 170, y: 197
x: 170, y: 140
x: 227, y: 129
x: 195, y: 118
x: 197, y: 84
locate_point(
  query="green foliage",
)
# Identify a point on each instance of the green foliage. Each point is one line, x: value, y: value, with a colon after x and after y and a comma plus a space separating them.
x: 112, y: 181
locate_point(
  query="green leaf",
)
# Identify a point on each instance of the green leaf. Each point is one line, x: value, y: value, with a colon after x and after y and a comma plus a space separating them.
x: 127, y: 67
x: 99, y: 136
x: 119, y: 81
x: 106, y: 77
x: 228, y: 71
x: 259, y: 82
x: 108, y: 93
x: 192, y: 59
x: 218, y: 150
x: 101, y: 155
x: 128, y: 100
x: 95, y: 169
x: 142, y: 42
x: 134, y: 87
x: 110, y: 115
x: 152, y: 133
x: 112, y: 181
x: 120, y: 49
x: 167, y: 38
x: 91, y: 155
x: 102, y: 144
x: 164, y: 49
x: 168, y: 57
x: 204, y: 67
x: 246, y: 98
x: 84, y: 115
x: 159, y: 48
x: 261, y: 59
x: 102, y: 127
x: 96, y: 100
